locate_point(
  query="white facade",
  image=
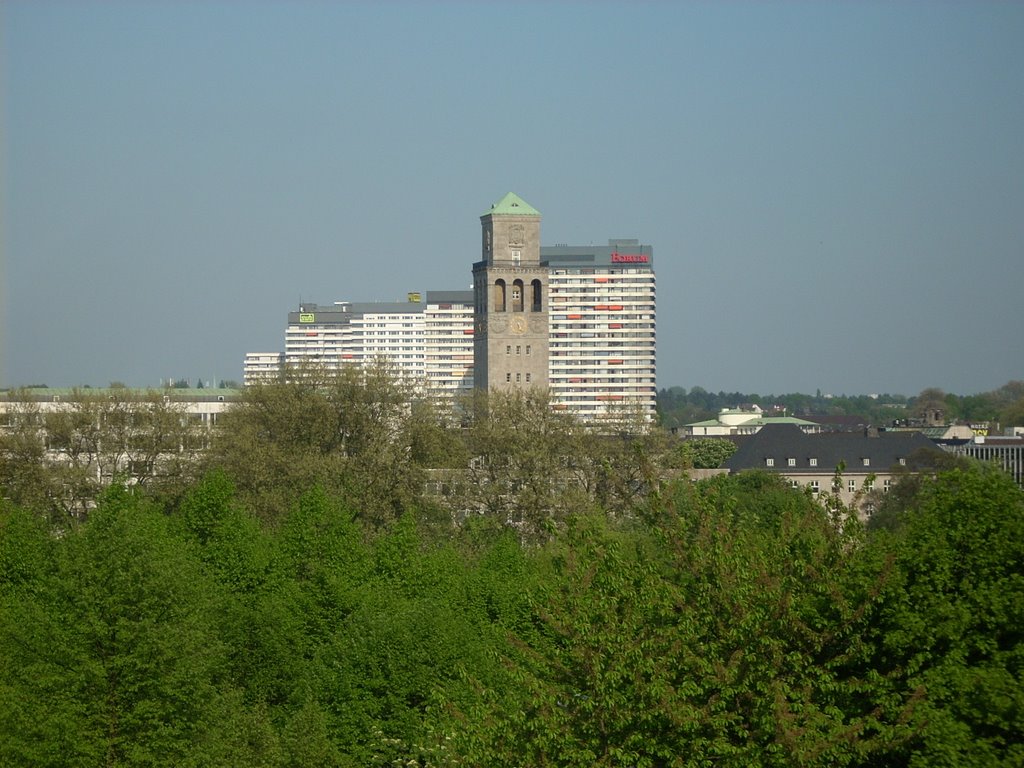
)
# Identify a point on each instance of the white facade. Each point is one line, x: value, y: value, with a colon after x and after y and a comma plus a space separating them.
x: 448, y: 343
x: 603, y: 343
x: 396, y: 338
x: 347, y: 333
x: 429, y: 343
x: 261, y: 367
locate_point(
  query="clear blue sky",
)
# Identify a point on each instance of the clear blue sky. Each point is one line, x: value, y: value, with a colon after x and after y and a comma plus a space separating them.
x: 834, y: 191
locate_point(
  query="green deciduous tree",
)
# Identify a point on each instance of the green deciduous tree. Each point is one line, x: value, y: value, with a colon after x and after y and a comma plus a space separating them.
x: 109, y: 654
x: 731, y: 636
x: 532, y: 466
x: 25, y: 475
x: 357, y: 432
x: 402, y: 651
x: 952, y: 617
x: 705, y: 453
x: 519, y: 449
x: 57, y: 456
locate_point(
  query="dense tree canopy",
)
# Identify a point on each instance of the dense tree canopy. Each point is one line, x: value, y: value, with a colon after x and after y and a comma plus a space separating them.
x: 578, y: 607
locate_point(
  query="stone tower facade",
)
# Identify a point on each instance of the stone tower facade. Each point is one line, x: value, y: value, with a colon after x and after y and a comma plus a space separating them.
x: 510, y: 291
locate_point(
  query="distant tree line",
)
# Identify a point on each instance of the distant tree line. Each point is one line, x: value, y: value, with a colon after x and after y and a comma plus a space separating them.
x: 1005, y: 406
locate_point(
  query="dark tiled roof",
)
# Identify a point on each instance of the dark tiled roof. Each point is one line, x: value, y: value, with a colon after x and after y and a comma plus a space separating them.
x: 784, y: 441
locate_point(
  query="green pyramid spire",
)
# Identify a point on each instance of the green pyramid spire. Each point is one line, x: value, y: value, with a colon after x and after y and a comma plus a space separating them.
x: 512, y: 204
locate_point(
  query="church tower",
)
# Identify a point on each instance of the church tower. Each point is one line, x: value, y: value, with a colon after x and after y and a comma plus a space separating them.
x: 510, y: 287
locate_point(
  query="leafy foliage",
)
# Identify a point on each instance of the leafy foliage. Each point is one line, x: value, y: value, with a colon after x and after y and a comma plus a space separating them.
x: 109, y: 652
x: 953, y: 615
x: 297, y: 607
x: 705, y: 453
x: 353, y: 432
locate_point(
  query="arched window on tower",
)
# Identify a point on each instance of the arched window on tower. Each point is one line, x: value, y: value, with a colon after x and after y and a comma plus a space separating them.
x: 499, y: 295
x: 536, y: 296
x: 517, y: 295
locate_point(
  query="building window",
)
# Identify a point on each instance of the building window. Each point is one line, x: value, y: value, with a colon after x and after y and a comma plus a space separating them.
x: 508, y: 349
x: 866, y: 461
x: 886, y: 485
x: 528, y: 349
x: 851, y: 486
x: 903, y: 462
x: 813, y: 461
x: 517, y: 295
x: 814, y: 486
x: 769, y: 462
x: 791, y: 462
x: 519, y: 349
x: 508, y: 377
x: 527, y: 377
x: 518, y: 377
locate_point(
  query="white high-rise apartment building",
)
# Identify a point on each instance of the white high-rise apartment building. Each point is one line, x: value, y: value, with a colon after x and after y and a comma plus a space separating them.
x: 602, y: 349
x: 395, y: 337
x: 448, y: 343
x: 429, y: 342
x: 261, y: 367
x: 357, y: 333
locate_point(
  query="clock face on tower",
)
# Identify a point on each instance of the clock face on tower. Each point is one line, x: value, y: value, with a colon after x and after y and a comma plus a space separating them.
x: 519, y: 325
